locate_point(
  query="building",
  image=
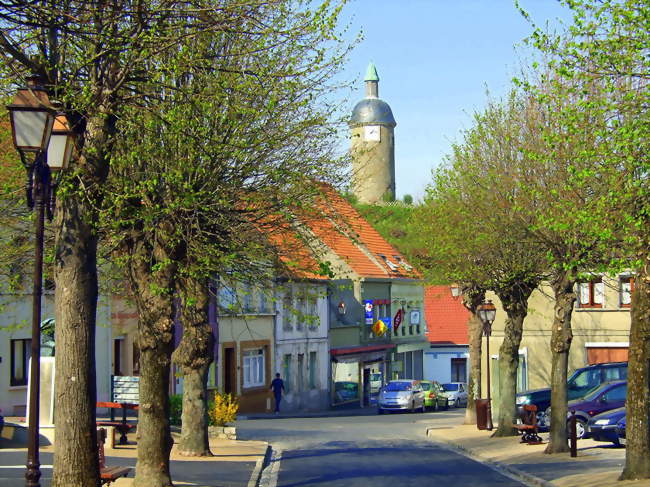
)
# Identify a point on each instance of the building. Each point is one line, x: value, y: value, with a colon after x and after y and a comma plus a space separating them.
x: 600, y: 325
x: 447, y: 359
x: 372, y: 128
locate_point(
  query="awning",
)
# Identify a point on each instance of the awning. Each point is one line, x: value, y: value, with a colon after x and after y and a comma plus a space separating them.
x: 368, y: 353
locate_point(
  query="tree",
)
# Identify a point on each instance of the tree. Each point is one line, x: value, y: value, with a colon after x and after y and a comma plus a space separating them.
x: 103, y: 61
x: 475, y: 233
x: 201, y: 181
x: 607, y: 43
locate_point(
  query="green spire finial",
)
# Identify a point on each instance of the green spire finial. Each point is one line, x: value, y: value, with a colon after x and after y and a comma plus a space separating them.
x: 371, y: 73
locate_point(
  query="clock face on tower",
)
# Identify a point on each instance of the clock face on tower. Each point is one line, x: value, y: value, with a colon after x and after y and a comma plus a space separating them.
x: 372, y: 133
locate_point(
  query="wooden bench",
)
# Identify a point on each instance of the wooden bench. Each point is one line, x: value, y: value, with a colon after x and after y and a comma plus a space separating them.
x: 528, y: 426
x: 108, y: 474
x: 122, y: 426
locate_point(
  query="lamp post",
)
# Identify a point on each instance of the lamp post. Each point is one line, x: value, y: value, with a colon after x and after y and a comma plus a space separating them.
x: 486, y: 313
x: 34, y: 124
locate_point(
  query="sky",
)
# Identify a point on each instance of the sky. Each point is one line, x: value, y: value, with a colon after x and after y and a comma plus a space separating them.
x: 435, y: 60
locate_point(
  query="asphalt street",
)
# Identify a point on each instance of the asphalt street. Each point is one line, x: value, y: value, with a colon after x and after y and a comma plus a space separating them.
x: 229, y: 474
x: 383, y: 451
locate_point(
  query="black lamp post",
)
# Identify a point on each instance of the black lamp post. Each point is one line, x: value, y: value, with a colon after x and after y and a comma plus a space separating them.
x: 38, y: 134
x: 487, y: 312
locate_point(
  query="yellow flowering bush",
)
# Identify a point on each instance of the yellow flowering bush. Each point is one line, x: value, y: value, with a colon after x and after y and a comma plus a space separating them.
x: 223, y: 409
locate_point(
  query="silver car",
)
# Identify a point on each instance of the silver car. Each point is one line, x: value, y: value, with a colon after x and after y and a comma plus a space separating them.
x: 456, y: 393
x: 400, y: 395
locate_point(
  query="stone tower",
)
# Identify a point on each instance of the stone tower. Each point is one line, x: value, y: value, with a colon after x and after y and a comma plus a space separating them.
x: 373, y: 145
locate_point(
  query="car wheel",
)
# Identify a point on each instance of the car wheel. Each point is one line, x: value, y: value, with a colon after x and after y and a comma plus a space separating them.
x: 423, y: 407
x: 413, y: 407
x: 581, y: 428
x: 435, y: 405
x: 380, y: 411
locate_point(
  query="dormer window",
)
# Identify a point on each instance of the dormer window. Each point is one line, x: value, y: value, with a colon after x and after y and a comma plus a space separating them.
x: 403, y: 263
x: 391, y: 265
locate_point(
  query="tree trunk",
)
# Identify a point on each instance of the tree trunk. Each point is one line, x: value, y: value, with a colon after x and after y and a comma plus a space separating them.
x: 637, y: 431
x: 515, y: 302
x: 75, y: 449
x: 472, y: 298
x: 561, y: 337
x: 153, y: 295
x: 194, y: 355
x: 75, y: 273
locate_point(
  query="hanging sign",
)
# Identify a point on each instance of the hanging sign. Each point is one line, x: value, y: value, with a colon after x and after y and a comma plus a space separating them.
x: 367, y: 306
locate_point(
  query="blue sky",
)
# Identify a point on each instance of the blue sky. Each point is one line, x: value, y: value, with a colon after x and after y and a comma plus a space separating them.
x: 435, y: 59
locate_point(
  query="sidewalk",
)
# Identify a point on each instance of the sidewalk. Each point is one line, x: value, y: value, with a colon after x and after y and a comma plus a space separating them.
x: 598, y: 464
x: 236, y: 463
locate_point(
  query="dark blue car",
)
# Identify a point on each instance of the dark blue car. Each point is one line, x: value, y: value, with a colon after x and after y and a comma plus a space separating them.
x: 602, y: 427
x: 620, y: 430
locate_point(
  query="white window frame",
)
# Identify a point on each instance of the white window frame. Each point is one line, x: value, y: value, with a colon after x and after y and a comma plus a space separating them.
x: 254, y: 365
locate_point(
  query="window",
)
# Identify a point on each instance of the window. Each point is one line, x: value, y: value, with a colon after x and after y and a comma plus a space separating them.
x: 301, y: 309
x: 247, y: 297
x: 591, y: 294
x: 312, y: 370
x: 616, y: 393
x: 459, y: 370
x: 287, y: 308
x: 20, y: 353
x: 286, y: 365
x: 254, y: 367
x: 263, y: 303
x: 226, y: 297
x: 301, y: 367
x: 314, y: 319
x: 626, y: 288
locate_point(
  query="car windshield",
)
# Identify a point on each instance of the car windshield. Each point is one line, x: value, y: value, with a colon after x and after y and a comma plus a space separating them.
x: 425, y: 386
x: 450, y: 387
x: 375, y: 377
x: 398, y: 386
x: 593, y: 393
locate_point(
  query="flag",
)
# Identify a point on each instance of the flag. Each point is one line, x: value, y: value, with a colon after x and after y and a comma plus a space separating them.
x: 397, y: 320
x: 379, y: 328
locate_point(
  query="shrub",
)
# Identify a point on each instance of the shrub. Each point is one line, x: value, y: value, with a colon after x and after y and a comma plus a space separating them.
x: 223, y: 409
x: 175, y: 408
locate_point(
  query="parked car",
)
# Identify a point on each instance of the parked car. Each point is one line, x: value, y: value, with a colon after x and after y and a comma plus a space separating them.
x: 582, y: 381
x: 456, y: 393
x: 610, y: 395
x: 602, y: 427
x: 346, y: 391
x: 434, y: 395
x: 376, y: 380
x: 620, y: 430
x: 402, y: 394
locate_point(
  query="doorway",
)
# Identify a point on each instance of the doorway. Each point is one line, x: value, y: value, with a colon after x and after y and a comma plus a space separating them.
x: 229, y: 371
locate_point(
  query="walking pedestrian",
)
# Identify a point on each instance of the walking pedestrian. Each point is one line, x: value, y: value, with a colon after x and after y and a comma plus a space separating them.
x: 277, y: 386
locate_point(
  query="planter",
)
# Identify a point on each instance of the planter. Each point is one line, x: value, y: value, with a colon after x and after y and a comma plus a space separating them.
x: 225, y: 432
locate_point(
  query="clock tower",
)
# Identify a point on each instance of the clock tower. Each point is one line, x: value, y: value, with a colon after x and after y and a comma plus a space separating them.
x: 373, y: 145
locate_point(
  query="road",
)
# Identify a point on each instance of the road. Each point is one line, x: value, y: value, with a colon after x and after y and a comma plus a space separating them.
x: 382, y: 451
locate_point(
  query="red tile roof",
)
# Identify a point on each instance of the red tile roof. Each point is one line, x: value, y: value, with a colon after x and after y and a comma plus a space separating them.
x: 353, y: 239
x: 445, y: 316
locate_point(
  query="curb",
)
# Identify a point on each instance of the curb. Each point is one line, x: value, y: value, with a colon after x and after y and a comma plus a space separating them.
x: 500, y: 467
x: 260, y: 464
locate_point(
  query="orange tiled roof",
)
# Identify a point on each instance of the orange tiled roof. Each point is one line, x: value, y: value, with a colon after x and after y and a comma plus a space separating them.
x: 353, y: 239
x: 445, y: 316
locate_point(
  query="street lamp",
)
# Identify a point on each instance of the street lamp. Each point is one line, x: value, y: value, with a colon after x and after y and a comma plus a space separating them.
x: 33, y: 126
x: 486, y: 313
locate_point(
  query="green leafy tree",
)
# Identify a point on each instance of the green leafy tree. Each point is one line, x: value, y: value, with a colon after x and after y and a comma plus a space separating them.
x: 607, y: 42
x: 106, y: 62
x: 203, y: 182
x: 475, y: 233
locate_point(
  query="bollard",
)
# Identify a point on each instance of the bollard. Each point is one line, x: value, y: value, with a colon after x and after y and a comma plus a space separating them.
x: 573, y: 440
